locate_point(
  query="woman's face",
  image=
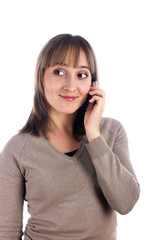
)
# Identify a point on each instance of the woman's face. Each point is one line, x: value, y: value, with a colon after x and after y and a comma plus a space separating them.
x: 66, y: 87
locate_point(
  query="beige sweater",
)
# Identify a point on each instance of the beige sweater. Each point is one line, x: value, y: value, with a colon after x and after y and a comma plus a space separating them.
x: 69, y: 198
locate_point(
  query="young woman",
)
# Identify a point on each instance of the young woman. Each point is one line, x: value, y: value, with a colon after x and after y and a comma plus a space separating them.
x: 71, y: 165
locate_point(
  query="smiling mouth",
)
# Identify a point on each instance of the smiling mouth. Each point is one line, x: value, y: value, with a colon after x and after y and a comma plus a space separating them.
x: 68, y: 98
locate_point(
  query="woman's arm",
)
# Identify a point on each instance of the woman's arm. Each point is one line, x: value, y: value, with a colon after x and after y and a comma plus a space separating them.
x: 114, y: 171
x: 11, y: 194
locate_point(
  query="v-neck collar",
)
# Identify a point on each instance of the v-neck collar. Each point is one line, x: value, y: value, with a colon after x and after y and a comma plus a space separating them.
x: 75, y: 156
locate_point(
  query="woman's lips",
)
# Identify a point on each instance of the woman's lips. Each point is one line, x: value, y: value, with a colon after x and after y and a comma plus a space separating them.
x: 68, y: 98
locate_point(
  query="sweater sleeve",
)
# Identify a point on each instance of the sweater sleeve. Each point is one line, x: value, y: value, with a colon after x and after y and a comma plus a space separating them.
x: 11, y: 194
x: 115, y: 174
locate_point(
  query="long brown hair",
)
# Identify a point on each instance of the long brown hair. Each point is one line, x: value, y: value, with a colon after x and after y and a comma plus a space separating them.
x: 56, y: 50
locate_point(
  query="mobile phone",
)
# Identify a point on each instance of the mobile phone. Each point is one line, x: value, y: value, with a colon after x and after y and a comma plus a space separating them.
x: 89, y: 96
x: 93, y: 84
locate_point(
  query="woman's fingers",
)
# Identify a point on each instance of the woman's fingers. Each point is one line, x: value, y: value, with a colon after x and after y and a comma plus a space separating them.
x: 97, y: 92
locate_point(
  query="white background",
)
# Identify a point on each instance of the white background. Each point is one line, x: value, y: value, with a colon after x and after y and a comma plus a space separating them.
x: 125, y: 37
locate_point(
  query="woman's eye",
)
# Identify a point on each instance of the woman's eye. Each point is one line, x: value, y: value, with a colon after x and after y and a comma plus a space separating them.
x: 82, y: 75
x: 59, y: 72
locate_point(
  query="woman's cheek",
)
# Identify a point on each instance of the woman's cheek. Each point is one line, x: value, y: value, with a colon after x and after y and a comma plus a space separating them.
x: 84, y: 89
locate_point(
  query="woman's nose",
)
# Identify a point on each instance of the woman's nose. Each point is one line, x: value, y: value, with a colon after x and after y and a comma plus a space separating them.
x: 70, y: 84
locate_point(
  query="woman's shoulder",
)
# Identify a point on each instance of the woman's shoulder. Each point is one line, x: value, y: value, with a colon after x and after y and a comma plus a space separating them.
x: 12, y: 151
x: 110, y: 123
x: 17, y: 142
x: 112, y: 129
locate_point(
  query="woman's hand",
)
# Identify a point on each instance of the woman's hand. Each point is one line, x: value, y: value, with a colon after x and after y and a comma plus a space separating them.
x: 94, y: 112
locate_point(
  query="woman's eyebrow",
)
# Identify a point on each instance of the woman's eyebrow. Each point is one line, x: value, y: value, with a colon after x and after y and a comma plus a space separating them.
x: 84, y: 67
x: 64, y: 64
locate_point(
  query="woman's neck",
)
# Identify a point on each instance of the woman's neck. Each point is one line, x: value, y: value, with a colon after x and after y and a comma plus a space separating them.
x: 61, y: 135
x: 62, y: 123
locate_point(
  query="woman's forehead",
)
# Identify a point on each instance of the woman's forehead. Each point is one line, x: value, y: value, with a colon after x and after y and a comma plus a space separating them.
x: 72, y: 59
x: 70, y: 56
